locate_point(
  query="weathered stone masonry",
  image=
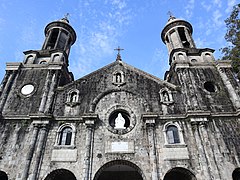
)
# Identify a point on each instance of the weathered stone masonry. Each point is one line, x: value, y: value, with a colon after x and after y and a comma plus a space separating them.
x: 184, y: 127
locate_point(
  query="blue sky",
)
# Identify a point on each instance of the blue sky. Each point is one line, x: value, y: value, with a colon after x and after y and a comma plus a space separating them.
x: 102, y: 25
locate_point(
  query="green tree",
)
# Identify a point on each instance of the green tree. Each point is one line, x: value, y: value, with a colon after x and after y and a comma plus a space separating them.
x: 232, y: 36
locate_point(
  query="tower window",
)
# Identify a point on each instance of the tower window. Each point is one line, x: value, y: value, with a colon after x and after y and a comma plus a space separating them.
x: 209, y: 86
x: 183, y: 37
x: 53, y: 39
x: 172, y: 134
x: 65, y: 136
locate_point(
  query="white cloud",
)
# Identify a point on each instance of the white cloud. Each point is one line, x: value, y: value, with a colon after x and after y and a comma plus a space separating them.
x: 217, y: 3
x: 189, y: 8
x: 230, y: 5
x: 102, y: 24
x: 206, y: 6
x: 217, y: 18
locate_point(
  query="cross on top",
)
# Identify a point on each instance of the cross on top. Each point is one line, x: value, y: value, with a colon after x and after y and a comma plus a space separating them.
x: 118, y: 55
x: 66, y: 16
x: 170, y: 13
x: 118, y: 49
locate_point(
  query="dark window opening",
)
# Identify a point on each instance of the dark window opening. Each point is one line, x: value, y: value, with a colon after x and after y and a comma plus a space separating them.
x: 62, y: 40
x: 65, y: 136
x: 172, y: 134
x: 3, y: 175
x: 209, y: 86
x: 167, y: 40
x: 183, y: 37
x: 236, y: 174
x: 115, y: 114
x: 53, y: 38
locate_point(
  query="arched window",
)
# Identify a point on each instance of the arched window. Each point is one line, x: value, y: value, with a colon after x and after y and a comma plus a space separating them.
x: 172, y: 134
x: 66, y: 136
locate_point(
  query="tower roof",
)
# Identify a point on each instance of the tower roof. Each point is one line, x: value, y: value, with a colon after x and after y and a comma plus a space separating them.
x: 64, y: 24
x: 175, y: 22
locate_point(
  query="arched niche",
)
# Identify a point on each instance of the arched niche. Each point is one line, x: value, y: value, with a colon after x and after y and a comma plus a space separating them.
x: 119, y: 169
x: 61, y: 174
x: 179, y: 173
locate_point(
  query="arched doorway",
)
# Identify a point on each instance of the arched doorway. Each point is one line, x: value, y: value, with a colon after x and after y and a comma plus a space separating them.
x: 61, y: 174
x: 119, y: 170
x: 3, y: 175
x: 179, y: 174
x: 236, y: 174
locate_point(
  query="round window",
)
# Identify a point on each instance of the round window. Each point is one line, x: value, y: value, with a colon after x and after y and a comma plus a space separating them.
x: 119, y: 120
x: 27, y: 89
x: 209, y: 86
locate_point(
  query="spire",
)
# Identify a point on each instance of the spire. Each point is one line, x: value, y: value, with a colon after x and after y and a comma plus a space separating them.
x: 118, y: 55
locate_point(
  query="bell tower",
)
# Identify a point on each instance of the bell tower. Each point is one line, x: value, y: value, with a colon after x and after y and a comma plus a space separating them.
x: 177, y: 34
x: 59, y: 35
x: 35, y: 79
x: 191, y: 68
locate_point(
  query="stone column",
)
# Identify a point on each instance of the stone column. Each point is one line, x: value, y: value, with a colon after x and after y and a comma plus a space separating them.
x: 58, y: 37
x: 87, y: 169
x: 150, y: 126
x: 39, y: 150
x: 231, y: 91
x: 189, y: 38
x: 180, y: 44
x: 5, y: 91
x: 213, y: 168
x: 47, y: 39
x: 30, y: 152
x: 203, y: 161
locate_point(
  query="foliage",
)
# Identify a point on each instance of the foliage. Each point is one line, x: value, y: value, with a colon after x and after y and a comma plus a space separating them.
x: 232, y: 36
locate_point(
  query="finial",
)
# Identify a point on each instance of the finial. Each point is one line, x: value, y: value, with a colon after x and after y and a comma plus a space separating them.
x: 118, y: 55
x: 65, y: 19
x: 171, y: 16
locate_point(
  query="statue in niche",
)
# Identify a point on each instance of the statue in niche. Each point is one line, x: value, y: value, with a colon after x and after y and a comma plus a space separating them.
x: 119, y: 122
x: 73, y: 97
x: 165, y: 96
x: 118, y: 78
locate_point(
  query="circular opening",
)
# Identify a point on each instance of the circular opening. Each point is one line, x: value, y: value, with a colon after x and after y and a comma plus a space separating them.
x: 27, y: 89
x: 119, y: 120
x: 209, y: 86
x: 193, y: 60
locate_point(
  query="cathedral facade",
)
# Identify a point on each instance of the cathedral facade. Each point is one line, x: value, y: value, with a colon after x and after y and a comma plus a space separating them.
x: 120, y: 122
